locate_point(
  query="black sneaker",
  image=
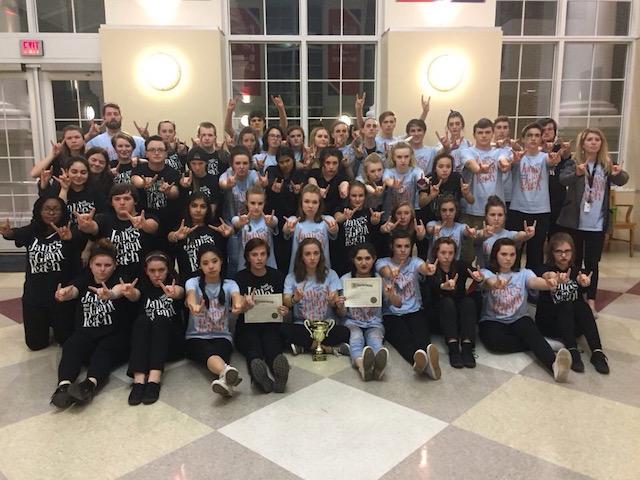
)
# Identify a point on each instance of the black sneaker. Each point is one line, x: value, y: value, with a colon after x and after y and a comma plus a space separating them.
x: 260, y: 375
x: 151, y: 393
x: 61, y: 398
x: 468, y: 358
x: 576, y: 360
x: 82, y: 392
x: 455, y: 359
x: 599, y: 361
x: 280, y: 373
x: 137, y: 392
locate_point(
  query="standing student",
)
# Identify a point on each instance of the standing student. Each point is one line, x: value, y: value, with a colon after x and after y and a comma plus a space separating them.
x: 100, y: 175
x: 385, y: 139
x: 248, y: 139
x: 450, y: 306
x: 112, y: 120
x: 453, y: 140
x: 123, y: 161
x: 310, y: 223
x: 177, y: 151
x: 158, y: 325
x: 585, y: 213
x: 424, y: 154
x: 504, y: 324
x: 271, y: 142
x: 213, y: 302
x: 503, y: 142
x: 406, y: 326
x: 295, y: 141
x: 331, y: 179
x: 72, y: 145
x: 318, y: 140
x: 530, y: 196
x: 563, y: 313
x: 350, y: 164
x: 261, y: 342
x: 197, y: 179
x: 102, y: 327
x: 372, y: 171
x: 366, y: 332
x: 208, y: 142
x: 52, y: 255
x: 312, y: 292
x: 403, y: 179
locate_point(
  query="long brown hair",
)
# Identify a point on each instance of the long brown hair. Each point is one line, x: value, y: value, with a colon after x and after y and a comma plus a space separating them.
x: 300, y: 271
x: 493, y: 258
x: 311, y: 188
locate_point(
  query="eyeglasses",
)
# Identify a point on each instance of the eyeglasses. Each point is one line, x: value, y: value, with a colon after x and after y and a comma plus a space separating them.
x: 156, y: 150
x: 563, y: 252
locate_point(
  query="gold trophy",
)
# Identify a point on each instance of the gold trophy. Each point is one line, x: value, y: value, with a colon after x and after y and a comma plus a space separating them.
x: 319, y: 329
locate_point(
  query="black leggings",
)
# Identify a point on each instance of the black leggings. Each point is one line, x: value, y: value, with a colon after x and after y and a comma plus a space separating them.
x: 297, y: 334
x: 589, y: 247
x: 36, y: 320
x: 456, y: 318
x: 535, y: 245
x: 152, y: 342
x: 259, y: 340
x: 103, y: 355
x: 407, y: 333
x: 568, y: 320
x: 201, y: 349
x: 518, y: 336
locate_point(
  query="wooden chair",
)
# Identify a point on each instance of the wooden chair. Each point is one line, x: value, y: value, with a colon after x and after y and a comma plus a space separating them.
x: 615, y: 224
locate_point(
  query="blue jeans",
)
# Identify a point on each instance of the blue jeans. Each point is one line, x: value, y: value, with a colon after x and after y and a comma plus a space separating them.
x: 359, y: 337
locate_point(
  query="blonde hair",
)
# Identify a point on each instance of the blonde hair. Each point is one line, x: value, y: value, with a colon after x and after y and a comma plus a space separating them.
x: 603, y: 154
x: 401, y: 146
x: 312, y: 135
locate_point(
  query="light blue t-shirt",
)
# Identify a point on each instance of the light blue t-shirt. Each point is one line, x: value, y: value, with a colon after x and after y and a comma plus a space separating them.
x: 104, y: 141
x: 456, y: 153
x: 483, y: 185
x: 315, y: 299
x: 268, y: 159
x: 406, y: 284
x: 381, y: 141
x: 593, y: 221
x: 256, y: 229
x: 424, y: 158
x: 507, y: 177
x: 319, y: 231
x: 455, y: 232
x: 506, y: 305
x: 363, y: 317
x: 531, y: 184
x: 214, y: 322
x: 408, y: 191
x: 487, y: 245
x: 236, y: 197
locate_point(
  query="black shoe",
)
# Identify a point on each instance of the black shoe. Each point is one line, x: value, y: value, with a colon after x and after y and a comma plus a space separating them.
x: 151, y: 393
x: 137, y: 391
x: 260, y: 375
x: 576, y: 360
x: 454, y: 355
x: 280, y: 373
x: 599, y: 361
x: 82, y: 392
x: 61, y: 398
x: 468, y: 358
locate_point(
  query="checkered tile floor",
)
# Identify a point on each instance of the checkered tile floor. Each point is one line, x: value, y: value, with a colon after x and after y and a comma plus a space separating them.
x: 505, y: 419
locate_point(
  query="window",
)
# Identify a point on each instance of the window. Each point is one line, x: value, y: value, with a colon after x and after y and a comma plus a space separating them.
x: 591, y: 17
x: 13, y: 16
x: 248, y: 17
x: 526, y: 17
x: 341, y: 17
x: 76, y: 102
x: 17, y: 190
x: 592, y: 89
x: 526, y: 80
x: 79, y: 16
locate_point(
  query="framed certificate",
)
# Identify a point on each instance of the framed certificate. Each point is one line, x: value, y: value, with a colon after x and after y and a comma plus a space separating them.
x: 363, y: 292
x: 265, y: 309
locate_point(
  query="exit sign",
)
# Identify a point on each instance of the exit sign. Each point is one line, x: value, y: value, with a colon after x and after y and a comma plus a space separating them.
x: 31, y: 48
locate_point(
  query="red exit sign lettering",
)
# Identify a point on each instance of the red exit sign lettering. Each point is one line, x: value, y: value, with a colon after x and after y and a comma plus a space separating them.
x: 31, y: 48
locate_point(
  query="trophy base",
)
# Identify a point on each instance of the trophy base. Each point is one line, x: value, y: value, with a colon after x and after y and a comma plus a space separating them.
x: 319, y: 357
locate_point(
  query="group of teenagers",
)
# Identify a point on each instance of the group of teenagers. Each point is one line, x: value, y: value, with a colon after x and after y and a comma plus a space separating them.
x: 263, y: 213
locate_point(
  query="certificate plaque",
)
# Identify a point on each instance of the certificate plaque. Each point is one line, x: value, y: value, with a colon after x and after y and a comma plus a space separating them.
x: 363, y: 292
x: 265, y: 309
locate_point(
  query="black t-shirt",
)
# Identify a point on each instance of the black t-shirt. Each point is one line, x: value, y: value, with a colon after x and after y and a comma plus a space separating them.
x: 130, y: 243
x: 270, y: 283
x: 216, y: 163
x: 450, y: 187
x: 565, y: 292
x: 49, y: 261
x: 208, y: 185
x: 353, y: 231
x: 332, y: 200
x: 285, y: 203
x: 124, y: 172
x: 154, y: 303
x: 95, y: 317
x: 152, y: 198
x: 187, y: 250
x: 458, y: 267
x: 176, y: 160
x: 82, y: 201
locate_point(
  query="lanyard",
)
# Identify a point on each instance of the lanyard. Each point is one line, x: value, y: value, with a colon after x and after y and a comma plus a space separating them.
x: 590, y: 176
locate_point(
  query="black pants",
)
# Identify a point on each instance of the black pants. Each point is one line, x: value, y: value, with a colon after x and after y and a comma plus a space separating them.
x: 259, y: 340
x: 36, y: 320
x: 518, y: 336
x: 589, y: 247
x: 535, y: 245
x: 201, y: 349
x: 456, y: 319
x: 297, y: 334
x: 407, y: 333
x: 568, y: 320
x: 149, y: 344
x: 282, y: 251
x: 103, y: 355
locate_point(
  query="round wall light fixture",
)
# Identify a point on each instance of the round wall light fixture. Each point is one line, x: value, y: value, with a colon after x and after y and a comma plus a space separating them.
x: 161, y: 71
x: 446, y: 72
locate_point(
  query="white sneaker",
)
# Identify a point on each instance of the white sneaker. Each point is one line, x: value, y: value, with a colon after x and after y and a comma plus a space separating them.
x: 562, y: 365
x: 380, y: 363
x: 220, y: 387
x: 420, y: 361
x: 368, y: 359
x: 231, y: 376
x: 433, y: 362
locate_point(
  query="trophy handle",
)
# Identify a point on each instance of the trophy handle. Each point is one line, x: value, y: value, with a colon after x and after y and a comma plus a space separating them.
x: 332, y: 323
x: 307, y: 325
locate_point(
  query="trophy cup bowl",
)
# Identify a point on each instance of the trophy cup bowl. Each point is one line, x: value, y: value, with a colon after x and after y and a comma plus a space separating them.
x: 319, y: 329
